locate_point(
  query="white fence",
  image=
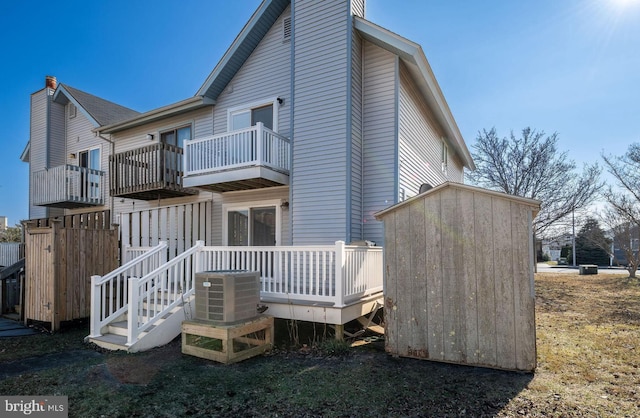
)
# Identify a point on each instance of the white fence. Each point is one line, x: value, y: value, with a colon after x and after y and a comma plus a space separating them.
x: 9, y: 253
x: 252, y: 146
x: 179, y: 225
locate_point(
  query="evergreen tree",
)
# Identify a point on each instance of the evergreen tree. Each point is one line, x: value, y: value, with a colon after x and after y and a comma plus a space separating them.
x: 592, y: 246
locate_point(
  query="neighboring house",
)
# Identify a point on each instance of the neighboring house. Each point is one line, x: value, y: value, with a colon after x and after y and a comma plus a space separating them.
x: 312, y: 121
x: 67, y: 160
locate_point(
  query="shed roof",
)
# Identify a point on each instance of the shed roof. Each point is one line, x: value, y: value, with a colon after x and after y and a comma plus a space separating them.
x: 534, y: 204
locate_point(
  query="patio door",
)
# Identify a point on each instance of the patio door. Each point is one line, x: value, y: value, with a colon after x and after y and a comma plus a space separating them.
x: 252, y: 226
x: 89, y: 181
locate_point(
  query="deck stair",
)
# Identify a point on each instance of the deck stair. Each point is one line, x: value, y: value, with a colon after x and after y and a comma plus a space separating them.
x: 143, y: 303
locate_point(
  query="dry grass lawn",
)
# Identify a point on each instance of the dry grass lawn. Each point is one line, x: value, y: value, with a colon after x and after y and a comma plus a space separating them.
x: 588, y: 330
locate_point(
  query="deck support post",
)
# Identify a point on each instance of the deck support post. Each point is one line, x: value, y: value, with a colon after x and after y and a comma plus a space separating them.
x: 339, y: 332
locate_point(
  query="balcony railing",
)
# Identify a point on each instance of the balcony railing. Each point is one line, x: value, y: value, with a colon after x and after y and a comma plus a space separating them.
x: 68, y: 186
x: 244, y: 159
x: 148, y: 173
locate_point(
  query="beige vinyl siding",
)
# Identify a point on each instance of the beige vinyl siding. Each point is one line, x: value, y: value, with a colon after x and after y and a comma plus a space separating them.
x: 265, y: 75
x: 379, y: 104
x: 320, y: 159
x: 420, y: 143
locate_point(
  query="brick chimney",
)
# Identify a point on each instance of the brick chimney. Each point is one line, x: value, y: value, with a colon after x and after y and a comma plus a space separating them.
x: 50, y: 82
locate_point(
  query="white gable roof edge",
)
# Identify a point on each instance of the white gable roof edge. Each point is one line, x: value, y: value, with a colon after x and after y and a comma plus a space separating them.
x: 412, y: 53
x: 62, y: 90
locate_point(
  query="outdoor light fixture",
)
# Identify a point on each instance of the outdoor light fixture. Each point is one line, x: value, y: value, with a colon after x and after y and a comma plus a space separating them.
x: 284, y: 204
x: 280, y: 100
x: 150, y: 137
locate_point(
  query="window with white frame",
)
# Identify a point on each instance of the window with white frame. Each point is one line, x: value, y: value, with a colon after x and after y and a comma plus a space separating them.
x: 245, y: 116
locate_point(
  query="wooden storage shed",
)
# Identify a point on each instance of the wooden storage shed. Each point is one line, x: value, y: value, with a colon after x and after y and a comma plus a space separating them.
x: 459, y: 265
x: 61, y: 256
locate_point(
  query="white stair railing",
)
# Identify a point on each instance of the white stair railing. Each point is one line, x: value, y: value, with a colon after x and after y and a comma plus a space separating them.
x: 157, y: 293
x: 110, y: 293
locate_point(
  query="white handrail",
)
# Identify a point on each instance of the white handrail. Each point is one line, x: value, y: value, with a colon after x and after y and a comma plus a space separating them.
x: 109, y: 293
x: 158, y: 292
x: 336, y: 274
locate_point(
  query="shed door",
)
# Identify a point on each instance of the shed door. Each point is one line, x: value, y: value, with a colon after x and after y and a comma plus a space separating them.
x: 39, y: 277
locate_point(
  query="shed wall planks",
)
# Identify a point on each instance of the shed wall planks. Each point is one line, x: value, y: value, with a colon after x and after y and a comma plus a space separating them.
x: 59, y: 262
x: 459, y: 278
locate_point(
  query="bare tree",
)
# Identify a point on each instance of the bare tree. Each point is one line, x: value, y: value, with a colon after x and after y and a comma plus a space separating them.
x: 531, y: 166
x: 623, y: 212
x: 626, y: 236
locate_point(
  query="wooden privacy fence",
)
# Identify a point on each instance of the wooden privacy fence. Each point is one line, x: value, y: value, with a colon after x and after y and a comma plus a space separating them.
x: 60, y: 259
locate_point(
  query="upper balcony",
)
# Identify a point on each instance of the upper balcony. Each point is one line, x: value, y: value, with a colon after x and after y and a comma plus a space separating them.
x: 68, y: 186
x: 245, y: 159
x: 148, y: 173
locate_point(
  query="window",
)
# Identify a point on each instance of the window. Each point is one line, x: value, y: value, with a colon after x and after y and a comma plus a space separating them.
x: 173, y: 158
x: 243, y: 117
x: 254, y: 225
x: 176, y: 137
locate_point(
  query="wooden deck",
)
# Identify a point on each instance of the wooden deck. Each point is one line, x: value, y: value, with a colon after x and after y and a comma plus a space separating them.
x: 148, y: 173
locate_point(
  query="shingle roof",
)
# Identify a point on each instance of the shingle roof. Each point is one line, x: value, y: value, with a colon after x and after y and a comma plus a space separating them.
x: 102, y: 111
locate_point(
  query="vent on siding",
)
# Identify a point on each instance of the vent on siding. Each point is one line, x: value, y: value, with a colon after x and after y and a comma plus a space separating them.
x: 286, y: 29
x: 72, y: 111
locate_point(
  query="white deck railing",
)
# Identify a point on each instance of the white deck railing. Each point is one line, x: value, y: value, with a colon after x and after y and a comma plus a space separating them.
x: 110, y: 293
x: 9, y: 253
x: 68, y: 183
x: 254, y: 146
x: 336, y: 274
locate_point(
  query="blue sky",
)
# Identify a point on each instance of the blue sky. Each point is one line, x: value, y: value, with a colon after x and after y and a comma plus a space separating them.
x: 570, y: 66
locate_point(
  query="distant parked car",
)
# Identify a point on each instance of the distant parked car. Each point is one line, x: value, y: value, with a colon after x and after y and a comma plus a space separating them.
x: 562, y: 261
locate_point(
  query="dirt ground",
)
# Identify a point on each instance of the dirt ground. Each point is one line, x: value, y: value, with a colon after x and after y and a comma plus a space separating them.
x: 588, y: 332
